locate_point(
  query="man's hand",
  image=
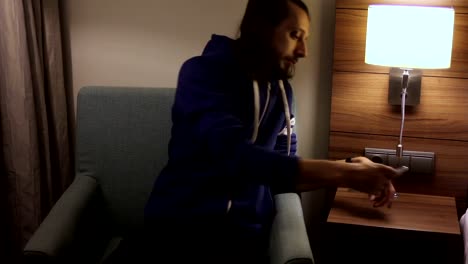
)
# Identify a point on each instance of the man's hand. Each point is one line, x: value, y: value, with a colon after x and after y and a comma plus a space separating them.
x: 386, y: 197
x: 375, y: 179
x: 358, y: 173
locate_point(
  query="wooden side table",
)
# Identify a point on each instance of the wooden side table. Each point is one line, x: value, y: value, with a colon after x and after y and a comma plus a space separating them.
x: 409, y: 211
x: 416, y: 229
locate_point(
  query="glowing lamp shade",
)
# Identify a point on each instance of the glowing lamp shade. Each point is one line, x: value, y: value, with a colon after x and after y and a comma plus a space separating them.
x: 410, y: 37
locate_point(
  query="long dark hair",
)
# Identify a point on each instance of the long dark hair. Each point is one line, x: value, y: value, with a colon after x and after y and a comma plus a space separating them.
x: 254, y: 44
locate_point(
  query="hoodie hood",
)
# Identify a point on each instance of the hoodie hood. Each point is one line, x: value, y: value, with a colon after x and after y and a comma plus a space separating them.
x: 220, y: 46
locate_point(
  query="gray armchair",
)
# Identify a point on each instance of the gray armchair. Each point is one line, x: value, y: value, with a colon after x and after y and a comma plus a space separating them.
x: 122, y: 137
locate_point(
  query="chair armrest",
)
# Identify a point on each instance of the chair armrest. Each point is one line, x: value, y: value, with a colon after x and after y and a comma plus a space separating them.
x: 58, y: 230
x: 289, y: 242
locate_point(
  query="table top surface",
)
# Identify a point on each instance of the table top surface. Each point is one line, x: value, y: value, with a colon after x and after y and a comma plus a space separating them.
x: 409, y: 212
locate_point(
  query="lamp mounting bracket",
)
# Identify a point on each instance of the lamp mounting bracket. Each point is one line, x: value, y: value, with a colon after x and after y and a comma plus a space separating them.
x: 396, y: 83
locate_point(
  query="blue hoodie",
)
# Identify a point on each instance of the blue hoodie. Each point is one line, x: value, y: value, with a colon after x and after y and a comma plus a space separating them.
x: 227, y: 145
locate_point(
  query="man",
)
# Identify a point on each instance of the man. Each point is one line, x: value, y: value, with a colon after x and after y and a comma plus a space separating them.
x: 232, y: 145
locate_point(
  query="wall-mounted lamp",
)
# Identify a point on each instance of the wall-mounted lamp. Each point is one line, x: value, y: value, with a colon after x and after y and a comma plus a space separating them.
x: 408, y: 39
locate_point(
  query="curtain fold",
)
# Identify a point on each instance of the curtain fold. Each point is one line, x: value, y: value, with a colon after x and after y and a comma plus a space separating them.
x: 36, y: 148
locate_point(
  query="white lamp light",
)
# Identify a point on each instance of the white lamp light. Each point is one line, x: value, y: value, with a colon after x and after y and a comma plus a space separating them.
x: 411, y: 37
x: 408, y: 38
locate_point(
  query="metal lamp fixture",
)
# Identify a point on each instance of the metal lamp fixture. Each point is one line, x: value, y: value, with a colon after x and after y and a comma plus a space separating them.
x: 408, y: 39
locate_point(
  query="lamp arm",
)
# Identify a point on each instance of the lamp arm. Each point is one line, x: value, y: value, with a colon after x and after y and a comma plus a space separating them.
x: 404, y: 86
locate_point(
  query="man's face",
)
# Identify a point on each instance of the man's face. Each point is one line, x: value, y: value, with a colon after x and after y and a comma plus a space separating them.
x: 289, y: 40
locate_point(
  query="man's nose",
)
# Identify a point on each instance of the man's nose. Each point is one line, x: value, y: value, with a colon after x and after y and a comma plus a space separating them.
x: 301, y: 49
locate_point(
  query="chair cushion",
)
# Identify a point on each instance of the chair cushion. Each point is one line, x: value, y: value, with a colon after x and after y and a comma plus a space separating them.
x: 122, y: 141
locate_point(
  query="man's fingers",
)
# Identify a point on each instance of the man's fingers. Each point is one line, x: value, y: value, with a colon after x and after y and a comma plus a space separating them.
x: 386, y: 197
x: 383, y: 199
x: 401, y: 170
x: 392, y: 195
x: 397, y: 172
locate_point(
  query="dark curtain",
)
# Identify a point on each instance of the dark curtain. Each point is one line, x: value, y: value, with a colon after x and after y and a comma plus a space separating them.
x: 36, y: 122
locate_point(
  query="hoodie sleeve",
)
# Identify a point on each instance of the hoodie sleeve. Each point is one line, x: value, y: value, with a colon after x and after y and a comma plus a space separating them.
x: 214, y: 111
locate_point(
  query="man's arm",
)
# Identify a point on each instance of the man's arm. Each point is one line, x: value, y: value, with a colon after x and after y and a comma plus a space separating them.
x: 229, y: 146
x: 358, y: 173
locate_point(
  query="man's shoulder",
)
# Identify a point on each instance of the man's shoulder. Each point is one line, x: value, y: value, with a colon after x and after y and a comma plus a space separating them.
x: 209, y: 64
x: 218, y: 52
x: 199, y: 64
x: 197, y: 61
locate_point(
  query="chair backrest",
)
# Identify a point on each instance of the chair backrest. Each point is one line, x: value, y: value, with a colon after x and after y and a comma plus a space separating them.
x: 122, y: 142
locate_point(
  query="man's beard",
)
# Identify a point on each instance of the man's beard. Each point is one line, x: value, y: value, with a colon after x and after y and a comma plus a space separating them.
x: 283, y: 73
x: 268, y: 66
x: 289, y: 72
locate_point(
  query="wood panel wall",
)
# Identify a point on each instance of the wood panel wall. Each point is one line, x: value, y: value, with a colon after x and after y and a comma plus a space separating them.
x: 361, y: 116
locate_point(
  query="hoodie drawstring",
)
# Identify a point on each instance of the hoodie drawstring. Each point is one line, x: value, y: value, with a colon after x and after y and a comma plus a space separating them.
x: 286, y: 113
x: 257, y: 118
x: 256, y: 92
